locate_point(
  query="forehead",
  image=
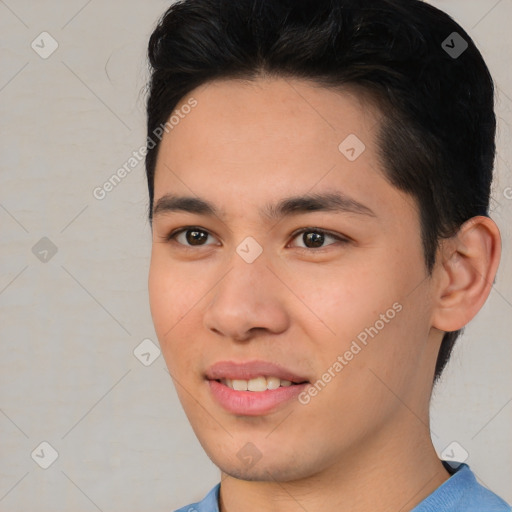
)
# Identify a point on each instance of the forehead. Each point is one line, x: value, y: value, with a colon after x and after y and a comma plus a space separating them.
x: 252, y: 141
x: 274, y: 114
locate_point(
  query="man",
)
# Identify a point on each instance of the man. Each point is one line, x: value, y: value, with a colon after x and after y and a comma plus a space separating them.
x: 319, y: 180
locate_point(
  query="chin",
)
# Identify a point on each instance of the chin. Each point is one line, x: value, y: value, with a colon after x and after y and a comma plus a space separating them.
x: 277, y: 467
x: 264, y: 473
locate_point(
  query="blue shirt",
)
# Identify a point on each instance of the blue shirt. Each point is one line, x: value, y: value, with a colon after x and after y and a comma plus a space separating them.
x: 460, y: 493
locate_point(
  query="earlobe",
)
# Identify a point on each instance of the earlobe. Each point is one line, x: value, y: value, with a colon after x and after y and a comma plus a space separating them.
x: 466, y: 269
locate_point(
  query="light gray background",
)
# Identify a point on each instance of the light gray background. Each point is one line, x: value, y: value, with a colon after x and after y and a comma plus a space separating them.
x: 69, y: 326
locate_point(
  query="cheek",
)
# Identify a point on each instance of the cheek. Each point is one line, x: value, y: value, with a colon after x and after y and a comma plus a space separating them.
x: 341, y: 301
x: 365, y: 307
x: 176, y: 293
x: 380, y: 335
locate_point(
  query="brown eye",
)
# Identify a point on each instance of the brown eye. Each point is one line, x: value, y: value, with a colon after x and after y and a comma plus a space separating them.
x: 195, y: 237
x: 190, y: 236
x: 314, y: 238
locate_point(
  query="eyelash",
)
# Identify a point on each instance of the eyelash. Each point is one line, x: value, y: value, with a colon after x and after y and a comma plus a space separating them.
x: 343, y: 240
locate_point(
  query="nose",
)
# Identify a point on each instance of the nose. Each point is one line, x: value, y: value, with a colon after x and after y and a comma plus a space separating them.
x: 249, y: 299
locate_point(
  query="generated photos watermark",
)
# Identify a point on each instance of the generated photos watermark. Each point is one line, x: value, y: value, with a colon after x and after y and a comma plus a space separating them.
x: 101, y: 192
x: 355, y: 348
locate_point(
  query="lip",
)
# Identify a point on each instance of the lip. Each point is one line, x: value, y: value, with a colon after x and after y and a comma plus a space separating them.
x: 251, y: 369
x: 252, y: 403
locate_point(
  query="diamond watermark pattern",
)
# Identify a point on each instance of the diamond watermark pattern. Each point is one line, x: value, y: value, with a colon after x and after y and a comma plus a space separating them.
x: 44, y: 455
x: 44, y: 45
x: 352, y: 147
x: 146, y: 352
x: 44, y: 250
x: 454, y: 454
x: 454, y: 45
x: 249, y: 455
x: 249, y: 249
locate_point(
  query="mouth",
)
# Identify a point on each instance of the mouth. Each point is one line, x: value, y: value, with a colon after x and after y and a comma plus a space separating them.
x: 258, y: 384
x: 251, y: 371
x: 253, y: 388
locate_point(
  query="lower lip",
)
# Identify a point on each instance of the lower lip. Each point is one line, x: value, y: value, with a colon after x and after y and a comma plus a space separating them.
x: 253, y: 403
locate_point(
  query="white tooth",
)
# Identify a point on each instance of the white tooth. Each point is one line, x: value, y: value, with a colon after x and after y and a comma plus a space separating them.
x: 273, y: 382
x: 239, y: 385
x: 257, y: 384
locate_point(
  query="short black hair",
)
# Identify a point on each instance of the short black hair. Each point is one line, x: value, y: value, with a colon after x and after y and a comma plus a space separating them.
x: 436, y: 139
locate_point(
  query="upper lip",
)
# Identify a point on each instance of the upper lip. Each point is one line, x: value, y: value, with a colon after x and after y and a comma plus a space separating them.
x: 249, y: 370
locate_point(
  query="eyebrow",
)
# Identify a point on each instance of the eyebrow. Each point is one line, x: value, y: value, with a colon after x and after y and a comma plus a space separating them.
x: 320, y: 202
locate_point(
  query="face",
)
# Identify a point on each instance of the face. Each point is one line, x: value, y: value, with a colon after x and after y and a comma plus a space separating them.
x: 334, y: 293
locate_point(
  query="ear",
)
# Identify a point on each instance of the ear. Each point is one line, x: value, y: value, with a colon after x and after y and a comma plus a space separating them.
x: 465, y: 273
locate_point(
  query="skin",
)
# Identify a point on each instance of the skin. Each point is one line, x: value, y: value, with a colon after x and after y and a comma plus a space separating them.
x: 363, y: 442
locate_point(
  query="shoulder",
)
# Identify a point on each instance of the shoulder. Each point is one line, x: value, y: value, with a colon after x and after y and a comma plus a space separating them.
x: 210, y: 503
x: 463, y: 493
